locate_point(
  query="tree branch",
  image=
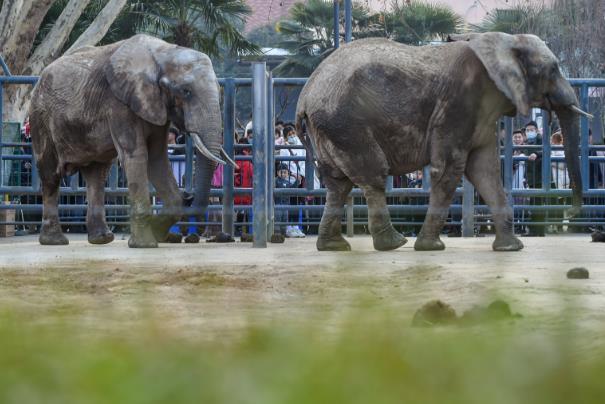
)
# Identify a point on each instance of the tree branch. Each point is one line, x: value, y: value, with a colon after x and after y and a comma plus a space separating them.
x: 52, y: 44
x: 99, y: 27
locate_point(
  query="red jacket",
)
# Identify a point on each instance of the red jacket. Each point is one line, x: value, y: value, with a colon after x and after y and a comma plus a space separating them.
x: 243, y: 179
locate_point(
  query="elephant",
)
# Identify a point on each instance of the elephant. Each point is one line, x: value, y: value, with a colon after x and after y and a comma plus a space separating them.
x: 375, y: 108
x: 96, y: 103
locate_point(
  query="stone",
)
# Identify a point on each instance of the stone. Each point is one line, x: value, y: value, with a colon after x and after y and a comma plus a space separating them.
x: 578, y: 273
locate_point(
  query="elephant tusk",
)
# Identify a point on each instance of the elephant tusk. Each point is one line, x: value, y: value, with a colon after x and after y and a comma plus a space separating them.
x: 579, y: 111
x: 203, y: 149
x: 229, y: 159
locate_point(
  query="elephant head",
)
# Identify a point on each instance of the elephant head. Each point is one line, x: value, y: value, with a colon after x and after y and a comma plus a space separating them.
x: 161, y: 82
x: 528, y: 74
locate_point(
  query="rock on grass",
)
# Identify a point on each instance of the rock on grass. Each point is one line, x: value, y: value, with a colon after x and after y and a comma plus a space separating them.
x: 578, y: 273
x: 433, y: 313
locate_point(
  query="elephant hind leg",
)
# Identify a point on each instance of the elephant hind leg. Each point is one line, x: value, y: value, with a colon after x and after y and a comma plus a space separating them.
x: 384, y: 235
x: 330, y: 235
x: 95, y: 175
x: 50, y: 232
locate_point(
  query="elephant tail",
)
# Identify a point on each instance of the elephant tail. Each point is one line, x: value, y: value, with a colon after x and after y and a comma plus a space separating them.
x: 301, y: 133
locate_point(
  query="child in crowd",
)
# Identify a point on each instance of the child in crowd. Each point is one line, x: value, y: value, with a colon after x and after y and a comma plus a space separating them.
x: 285, y: 180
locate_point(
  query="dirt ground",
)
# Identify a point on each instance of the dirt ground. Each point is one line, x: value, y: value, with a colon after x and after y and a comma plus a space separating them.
x: 213, y: 291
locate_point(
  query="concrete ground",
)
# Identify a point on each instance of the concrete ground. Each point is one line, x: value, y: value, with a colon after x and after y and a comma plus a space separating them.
x: 213, y: 290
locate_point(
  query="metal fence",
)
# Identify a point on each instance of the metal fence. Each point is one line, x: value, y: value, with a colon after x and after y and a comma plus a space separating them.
x: 407, y: 195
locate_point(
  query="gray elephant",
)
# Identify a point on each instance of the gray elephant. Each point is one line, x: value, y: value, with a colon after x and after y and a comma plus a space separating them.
x: 375, y: 108
x: 119, y: 99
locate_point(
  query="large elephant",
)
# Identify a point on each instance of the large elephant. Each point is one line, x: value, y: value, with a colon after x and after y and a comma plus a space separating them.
x: 375, y: 108
x: 119, y: 99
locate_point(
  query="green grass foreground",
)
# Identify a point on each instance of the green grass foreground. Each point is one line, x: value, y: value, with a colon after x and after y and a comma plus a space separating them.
x: 369, y: 357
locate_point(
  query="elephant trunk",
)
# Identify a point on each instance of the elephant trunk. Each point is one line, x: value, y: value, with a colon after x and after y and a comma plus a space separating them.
x: 569, y: 121
x: 206, y: 159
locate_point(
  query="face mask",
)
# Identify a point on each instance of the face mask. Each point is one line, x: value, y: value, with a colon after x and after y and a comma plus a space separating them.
x: 531, y: 135
x: 291, y: 139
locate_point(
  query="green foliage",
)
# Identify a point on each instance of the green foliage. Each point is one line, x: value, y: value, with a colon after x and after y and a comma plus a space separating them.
x: 366, y: 358
x: 309, y: 34
x: 519, y: 19
x: 419, y: 22
x: 210, y: 26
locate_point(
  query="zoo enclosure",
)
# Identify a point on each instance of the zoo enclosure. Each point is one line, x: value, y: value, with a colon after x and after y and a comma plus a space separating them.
x: 263, y: 86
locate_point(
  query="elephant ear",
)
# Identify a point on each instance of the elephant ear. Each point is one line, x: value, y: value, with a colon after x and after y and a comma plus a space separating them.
x: 133, y: 75
x: 500, y: 54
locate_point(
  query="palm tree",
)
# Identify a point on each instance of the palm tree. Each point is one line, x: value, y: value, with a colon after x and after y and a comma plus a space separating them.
x: 210, y: 26
x: 309, y: 32
x: 419, y: 22
x: 527, y: 18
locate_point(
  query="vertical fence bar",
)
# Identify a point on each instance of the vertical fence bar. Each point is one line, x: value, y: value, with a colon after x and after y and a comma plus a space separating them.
x: 350, y: 212
x: 336, y: 24
x: 546, y: 152
x: 468, y: 208
x: 188, y: 165
x: 1, y: 127
x: 270, y: 131
x: 228, y: 140
x: 426, y: 177
x: 508, y: 159
x: 113, y: 176
x: 348, y: 20
x: 585, y: 167
x: 259, y: 116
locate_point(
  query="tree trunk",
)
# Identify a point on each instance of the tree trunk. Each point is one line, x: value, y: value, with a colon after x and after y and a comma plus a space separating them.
x: 54, y: 41
x: 99, y: 27
x: 16, y: 44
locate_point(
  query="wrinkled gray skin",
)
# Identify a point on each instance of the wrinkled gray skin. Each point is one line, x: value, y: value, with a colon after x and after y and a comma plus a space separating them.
x: 375, y: 108
x: 119, y: 99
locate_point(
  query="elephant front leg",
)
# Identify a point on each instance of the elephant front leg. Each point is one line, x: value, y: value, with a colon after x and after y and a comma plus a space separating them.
x: 384, y: 235
x: 444, y: 180
x: 141, y: 235
x: 161, y: 177
x: 483, y: 170
x: 50, y: 232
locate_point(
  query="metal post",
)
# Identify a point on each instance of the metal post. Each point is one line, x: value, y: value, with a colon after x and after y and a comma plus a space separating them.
x: 270, y: 130
x: 350, y: 209
x: 584, y: 145
x: 348, y: 20
x: 468, y: 208
x: 259, y: 116
x: 508, y: 159
x: 546, y: 167
x: 188, y: 165
x: 1, y: 128
x: 228, y: 133
x: 336, y: 24
x: 426, y: 178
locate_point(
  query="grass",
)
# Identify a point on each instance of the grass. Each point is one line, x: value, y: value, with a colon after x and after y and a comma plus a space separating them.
x: 369, y: 356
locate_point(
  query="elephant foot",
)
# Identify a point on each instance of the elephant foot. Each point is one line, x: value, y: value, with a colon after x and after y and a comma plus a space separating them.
x: 388, y: 239
x: 193, y: 238
x: 141, y: 236
x: 160, y: 225
x: 333, y: 244
x: 52, y: 235
x: 428, y: 244
x: 507, y: 243
x: 104, y: 237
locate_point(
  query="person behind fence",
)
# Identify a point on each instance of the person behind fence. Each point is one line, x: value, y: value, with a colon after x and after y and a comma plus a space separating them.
x: 559, y: 173
x: 297, y: 169
x: 243, y: 179
x: 284, y: 180
x: 519, y: 180
x: 534, y: 177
